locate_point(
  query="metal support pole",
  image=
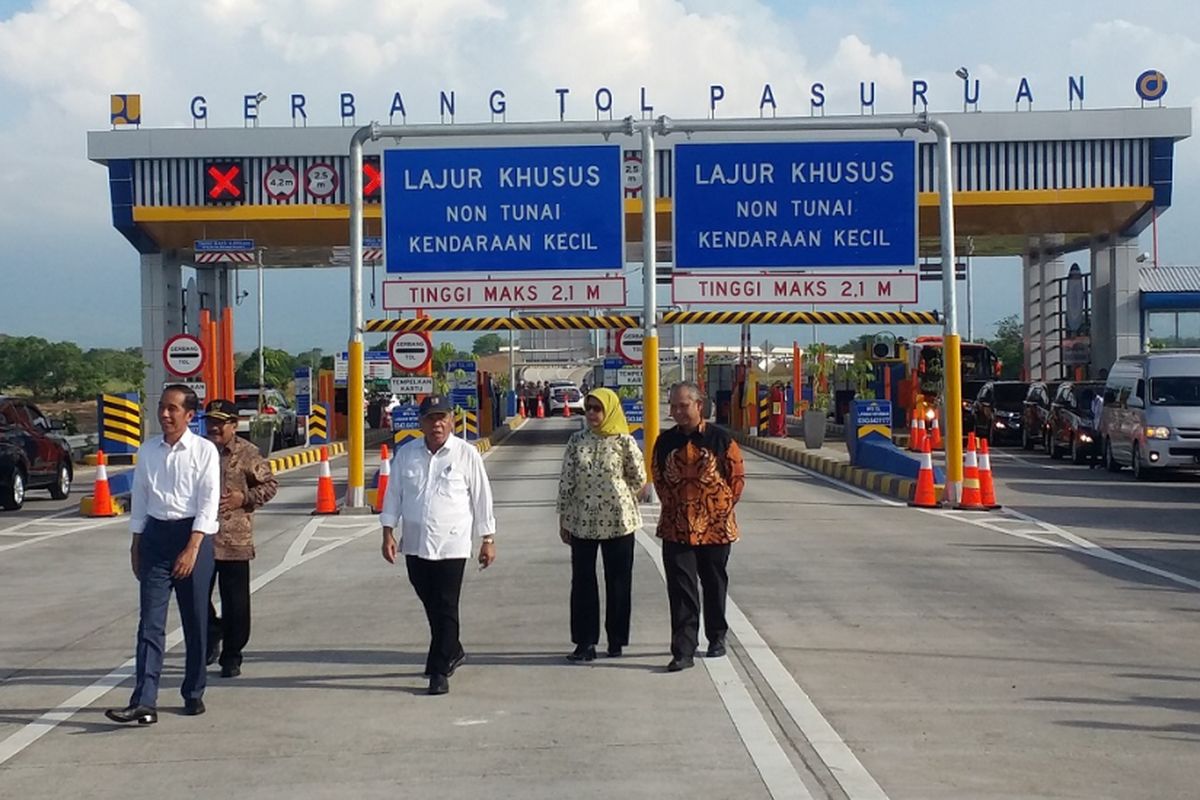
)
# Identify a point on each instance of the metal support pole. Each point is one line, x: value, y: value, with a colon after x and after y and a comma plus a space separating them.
x: 355, y: 494
x: 650, y: 400
x: 262, y: 371
x: 952, y: 362
x: 970, y: 289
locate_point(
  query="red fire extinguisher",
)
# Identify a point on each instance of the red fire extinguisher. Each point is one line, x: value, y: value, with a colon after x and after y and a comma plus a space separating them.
x: 777, y: 421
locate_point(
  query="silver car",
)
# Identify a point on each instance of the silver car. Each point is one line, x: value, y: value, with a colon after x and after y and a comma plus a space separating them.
x: 276, y: 407
x: 1151, y: 415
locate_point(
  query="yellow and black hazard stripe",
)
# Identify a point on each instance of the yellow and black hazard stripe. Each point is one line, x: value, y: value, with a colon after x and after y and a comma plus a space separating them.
x: 304, y: 457
x: 318, y: 426
x: 535, y: 323
x: 764, y: 413
x: 800, y: 318
x: 121, y: 422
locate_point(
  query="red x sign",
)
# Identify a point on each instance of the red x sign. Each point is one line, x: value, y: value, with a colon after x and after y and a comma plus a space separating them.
x: 372, y: 179
x: 221, y: 181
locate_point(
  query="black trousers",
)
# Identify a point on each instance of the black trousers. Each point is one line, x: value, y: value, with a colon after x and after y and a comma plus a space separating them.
x: 684, y: 565
x: 233, y: 626
x: 439, y: 585
x: 585, y: 591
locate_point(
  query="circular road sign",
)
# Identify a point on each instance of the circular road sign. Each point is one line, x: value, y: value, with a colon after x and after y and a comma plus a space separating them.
x: 410, y: 351
x: 629, y: 345
x: 183, y: 355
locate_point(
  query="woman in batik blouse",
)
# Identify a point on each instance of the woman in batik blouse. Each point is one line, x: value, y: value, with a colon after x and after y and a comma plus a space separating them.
x: 603, y: 475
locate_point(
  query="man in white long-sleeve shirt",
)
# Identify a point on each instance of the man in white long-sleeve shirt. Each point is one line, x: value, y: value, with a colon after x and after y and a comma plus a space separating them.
x: 440, y: 498
x: 173, y: 517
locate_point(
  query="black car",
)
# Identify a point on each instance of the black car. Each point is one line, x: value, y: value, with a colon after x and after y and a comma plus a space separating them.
x: 1036, y: 414
x: 970, y: 390
x: 997, y: 411
x: 1071, y: 427
x: 32, y: 454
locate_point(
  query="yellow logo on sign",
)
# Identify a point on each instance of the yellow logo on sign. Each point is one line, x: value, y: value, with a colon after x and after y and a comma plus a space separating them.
x: 125, y: 109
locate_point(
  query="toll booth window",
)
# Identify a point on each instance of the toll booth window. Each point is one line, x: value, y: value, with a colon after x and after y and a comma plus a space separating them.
x: 224, y: 182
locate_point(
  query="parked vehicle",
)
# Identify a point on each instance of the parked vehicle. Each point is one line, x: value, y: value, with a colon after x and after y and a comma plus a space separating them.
x: 33, y: 454
x: 1035, y: 414
x: 997, y: 411
x: 970, y: 391
x: 1070, y: 428
x: 1151, y: 416
x: 276, y: 407
x: 563, y: 396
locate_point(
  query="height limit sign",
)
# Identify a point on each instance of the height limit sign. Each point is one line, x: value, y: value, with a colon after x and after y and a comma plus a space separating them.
x: 411, y: 351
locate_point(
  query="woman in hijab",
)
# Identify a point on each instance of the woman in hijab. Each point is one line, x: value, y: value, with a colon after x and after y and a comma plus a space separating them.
x: 603, y: 475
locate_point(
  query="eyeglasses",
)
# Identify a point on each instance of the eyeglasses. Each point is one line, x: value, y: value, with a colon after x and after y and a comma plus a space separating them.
x: 592, y: 407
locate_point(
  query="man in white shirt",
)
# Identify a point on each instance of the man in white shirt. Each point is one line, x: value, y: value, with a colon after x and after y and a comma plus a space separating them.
x: 173, y: 517
x: 440, y: 496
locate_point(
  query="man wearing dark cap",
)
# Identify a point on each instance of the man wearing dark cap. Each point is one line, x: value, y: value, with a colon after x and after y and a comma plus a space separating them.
x: 246, y: 483
x: 440, y: 498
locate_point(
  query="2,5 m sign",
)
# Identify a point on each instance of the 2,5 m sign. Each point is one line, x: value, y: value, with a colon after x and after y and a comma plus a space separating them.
x: 570, y: 292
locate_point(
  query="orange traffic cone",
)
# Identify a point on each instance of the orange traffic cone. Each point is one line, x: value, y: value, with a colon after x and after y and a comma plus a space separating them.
x: 921, y: 436
x: 970, y: 500
x: 521, y: 407
x: 926, y: 494
x: 914, y: 443
x: 102, y: 502
x: 566, y: 407
x: 326, y: 501
x: 987, y: 490
x: 936, y: 434
x: 541, y: 409
x: 385, y: 471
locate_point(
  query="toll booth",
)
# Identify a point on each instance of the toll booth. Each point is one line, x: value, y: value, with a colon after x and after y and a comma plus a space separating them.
x: 718, y: 384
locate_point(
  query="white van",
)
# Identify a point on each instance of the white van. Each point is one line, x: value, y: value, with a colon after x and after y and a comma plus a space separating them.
x: 1151, y: 417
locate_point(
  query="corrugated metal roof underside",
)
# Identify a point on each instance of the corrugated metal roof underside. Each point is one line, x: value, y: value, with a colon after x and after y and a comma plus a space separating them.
x: 1169, y: 279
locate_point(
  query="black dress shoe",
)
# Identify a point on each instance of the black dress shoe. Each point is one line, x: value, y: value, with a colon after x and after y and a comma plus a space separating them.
x: 614, y: 651
x: 715, y: 649
x: 680, y: 664
x: 230, y: 671
x: 214, y: 650
x: 438, y: 684
x: 142, y: 715
x: 583, y: 652
x: 193, y: 708
x: 456, y: 663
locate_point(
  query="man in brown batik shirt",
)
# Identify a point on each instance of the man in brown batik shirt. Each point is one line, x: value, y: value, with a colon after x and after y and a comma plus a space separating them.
x: 699, y: 475
x: 246, y: 483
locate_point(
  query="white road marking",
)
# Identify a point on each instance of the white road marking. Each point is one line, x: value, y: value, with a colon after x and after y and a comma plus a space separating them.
x: 47, y: 722
x: 35, y: 537
x: 774, y: 766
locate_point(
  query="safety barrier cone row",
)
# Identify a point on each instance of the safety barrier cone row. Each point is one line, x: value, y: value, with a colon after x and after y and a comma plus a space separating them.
x: 926, y: 493
x: 326, y: 500
x: 971, y: 499
x: 935, y: 434
x: 385, y: 471
x: 102, y: 502
x: 987, y: 489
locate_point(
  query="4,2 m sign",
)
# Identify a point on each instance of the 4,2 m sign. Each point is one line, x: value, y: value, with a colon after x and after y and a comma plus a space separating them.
x: 567, y: 292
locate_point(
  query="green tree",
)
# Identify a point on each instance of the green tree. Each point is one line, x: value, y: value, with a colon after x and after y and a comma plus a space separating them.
x: 1009, y: 345
x: 487, y: 344
x: 446, y: 352
x: 278, y: 367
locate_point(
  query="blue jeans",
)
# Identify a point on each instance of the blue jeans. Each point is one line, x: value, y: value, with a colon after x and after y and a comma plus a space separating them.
x: 160, y: 544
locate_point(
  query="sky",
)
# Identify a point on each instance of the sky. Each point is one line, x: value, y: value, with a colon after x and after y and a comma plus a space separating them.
x: 66, y: 273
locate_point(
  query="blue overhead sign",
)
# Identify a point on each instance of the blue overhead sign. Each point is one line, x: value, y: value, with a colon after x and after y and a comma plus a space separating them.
x: 223, y: 245
x: 796, y: 204
x: 503, y: 209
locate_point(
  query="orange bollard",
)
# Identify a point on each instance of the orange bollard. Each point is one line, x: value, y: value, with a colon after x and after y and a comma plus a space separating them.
x: 102, y: 502
x: 326, y: 501
x: 926, y: 494
x: 385, y: 471
x: 936, y: 434
x: 541, y: 409
x: 987, y: 490
x: 971, y: 499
